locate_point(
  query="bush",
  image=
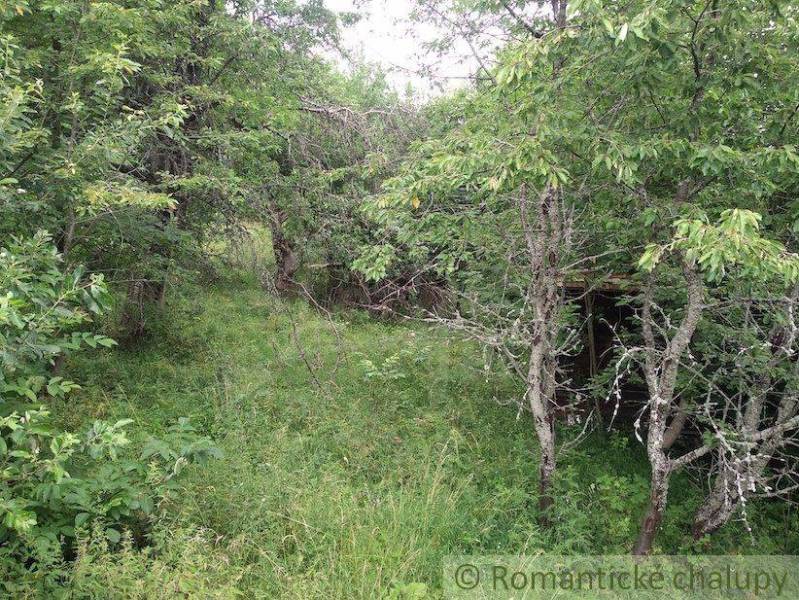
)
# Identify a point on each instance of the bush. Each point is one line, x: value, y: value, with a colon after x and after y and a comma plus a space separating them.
x: 55, y: 482
x: 43, y: 314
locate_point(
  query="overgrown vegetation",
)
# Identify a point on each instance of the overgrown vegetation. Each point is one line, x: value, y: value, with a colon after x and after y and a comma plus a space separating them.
x: 272, y: 329
x: 361, y: 489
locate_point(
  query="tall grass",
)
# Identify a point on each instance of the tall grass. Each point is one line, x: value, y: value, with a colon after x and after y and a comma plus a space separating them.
x: 357, y: 455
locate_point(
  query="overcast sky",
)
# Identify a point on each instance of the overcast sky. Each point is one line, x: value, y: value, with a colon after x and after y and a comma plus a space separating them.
x: 382, y: 37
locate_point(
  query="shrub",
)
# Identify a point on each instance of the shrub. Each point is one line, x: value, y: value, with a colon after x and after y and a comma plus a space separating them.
x: 43, y: 314
x: 55, y: 482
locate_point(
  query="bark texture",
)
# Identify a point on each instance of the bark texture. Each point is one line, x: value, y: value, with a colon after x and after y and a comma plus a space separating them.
x: 546, y: 225
x: 661, y: 369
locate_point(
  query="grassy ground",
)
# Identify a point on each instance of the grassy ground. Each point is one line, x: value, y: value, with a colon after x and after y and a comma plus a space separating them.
x: 354, y: 478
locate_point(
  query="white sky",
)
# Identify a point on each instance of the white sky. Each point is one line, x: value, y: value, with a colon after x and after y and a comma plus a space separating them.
x: 382, y: 36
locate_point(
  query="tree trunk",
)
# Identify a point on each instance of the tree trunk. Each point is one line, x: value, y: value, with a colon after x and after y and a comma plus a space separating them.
x: 286, y: 264
x: 544, y: 232
x: 659, y: 491
x: 661, y: 378
x: 675, y: 428
x: 286, y: 260
x: 737, y: 480
x: 718, y: 507
x: 545, y: 472
x: 543, y: 421
x: 738, y: 476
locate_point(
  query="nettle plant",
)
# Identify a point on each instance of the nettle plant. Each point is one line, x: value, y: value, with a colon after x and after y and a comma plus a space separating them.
x: 53, y: 482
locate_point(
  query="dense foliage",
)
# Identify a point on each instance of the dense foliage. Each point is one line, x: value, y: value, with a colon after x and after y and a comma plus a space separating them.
x: 133, y: 134
x: 612, y: 137
x: 640, y: 150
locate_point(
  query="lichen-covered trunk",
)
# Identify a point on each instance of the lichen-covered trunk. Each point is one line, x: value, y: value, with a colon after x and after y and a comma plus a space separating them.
x: 720, y: 504
x: 543, y: 421
x: 545, y: 472
x: 546, y: 229
x: 660, y: 371
x: 653, y: 517
x: 739, y: 476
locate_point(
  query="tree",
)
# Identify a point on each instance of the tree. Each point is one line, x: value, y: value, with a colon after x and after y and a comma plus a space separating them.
x: 496, y: 220
x: 620, y: 120
x: 679, y: 111
x: 753, y: 416
x: 700, y: 251
x: 349, y: 132
x: 151, y: 120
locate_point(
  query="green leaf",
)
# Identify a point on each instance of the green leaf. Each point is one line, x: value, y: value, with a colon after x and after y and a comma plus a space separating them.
x: 113, y: 535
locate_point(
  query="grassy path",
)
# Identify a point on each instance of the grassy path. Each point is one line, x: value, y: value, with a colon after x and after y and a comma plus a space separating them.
x: 356, y: 488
